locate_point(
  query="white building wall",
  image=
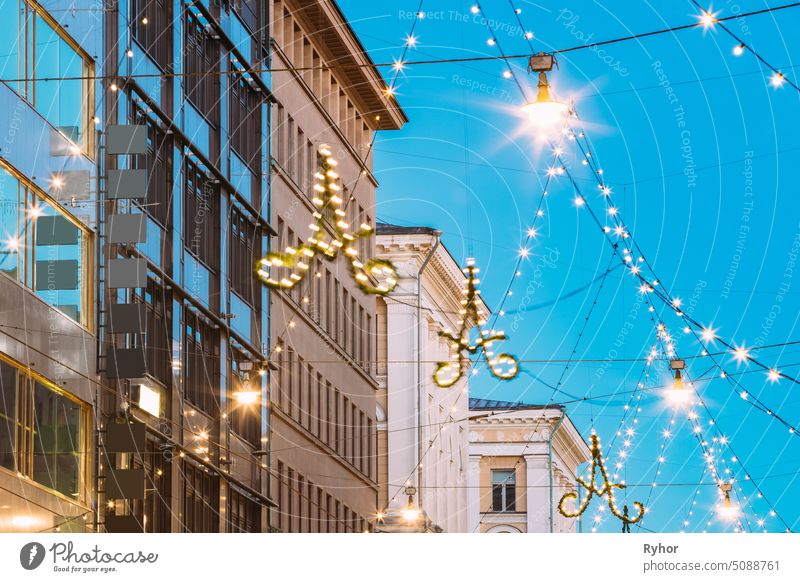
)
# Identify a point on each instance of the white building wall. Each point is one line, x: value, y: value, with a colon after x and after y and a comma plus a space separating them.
x: 445, y: 436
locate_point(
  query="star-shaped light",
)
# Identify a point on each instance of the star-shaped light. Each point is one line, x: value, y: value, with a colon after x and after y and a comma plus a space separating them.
x: 708, y: 334
x: 708, y: 18
x: 741, y: 354
x: 777, y: 80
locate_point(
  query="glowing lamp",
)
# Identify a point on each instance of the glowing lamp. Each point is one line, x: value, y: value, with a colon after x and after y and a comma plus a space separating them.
x: 411, y: 513
x: 545, y: 112
x: 727, y: 510
x: 246, y: 396
x: 678, y: 394
x: 149, y: 400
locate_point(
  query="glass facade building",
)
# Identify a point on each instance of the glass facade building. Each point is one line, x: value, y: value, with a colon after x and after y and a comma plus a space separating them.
x: 140, y: 148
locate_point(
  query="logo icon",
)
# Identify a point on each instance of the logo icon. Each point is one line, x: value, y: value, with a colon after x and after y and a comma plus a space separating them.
x: 31, y: 555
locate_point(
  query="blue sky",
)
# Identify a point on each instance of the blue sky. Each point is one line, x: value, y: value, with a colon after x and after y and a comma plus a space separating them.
x: 701, y: 155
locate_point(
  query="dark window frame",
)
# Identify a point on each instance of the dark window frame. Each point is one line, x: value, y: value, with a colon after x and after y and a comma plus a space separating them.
x: 504, y: 493
x: 158, y: 163
x: 245, y: 238
x: 153, y: 34
x: 201, y: 61
x: 200, y: 499
x: 201, y: 372
x: 201, y: 216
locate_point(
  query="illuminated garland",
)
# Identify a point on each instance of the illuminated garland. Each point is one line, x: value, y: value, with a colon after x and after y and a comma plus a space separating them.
x: 607, y: 489
x: 328, y: 216
x: 503, y: 366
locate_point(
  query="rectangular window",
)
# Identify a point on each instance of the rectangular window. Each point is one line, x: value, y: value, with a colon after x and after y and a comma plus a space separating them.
x: 316, y: 407
x: 158, y: 163
x: 43, y: 431
x: 45, y: 248
x: 245, y: 418
x: 369, y: 339
x: 504, y: 490
x: 244, y: 513
x: 8, y: 415
x: 156, y: 340
x: 297, y: 389
x: 158, y: 492
x: 200, y: 499
x: 288, y: 387
x: 250, y: 13
x: 333, y: 412
x: 245, y: 124
x: 370, y: 447
x: 151, y: 27
x: 35, y: 48
x: 202, y: 362
x: 57, y: 440
x: 202, y: 222
x: 245, y: 244
x: 201, y: 60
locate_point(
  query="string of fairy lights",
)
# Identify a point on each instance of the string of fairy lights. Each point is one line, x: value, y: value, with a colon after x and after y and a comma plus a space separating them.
x: 618, y: 229
x: 623, y: 235
x: 330, y: 214
x: 616, y: 214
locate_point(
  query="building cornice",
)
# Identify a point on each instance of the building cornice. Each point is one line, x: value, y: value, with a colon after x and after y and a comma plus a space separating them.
x: 444, y: 279
x: 328, y: 28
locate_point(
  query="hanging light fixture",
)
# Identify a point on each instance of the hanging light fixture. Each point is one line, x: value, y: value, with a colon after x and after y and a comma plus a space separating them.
x: 545, y: 112
x: 678, y: 394
x: 247, y: 394
x: 411, y: 513
x: 726, y: 509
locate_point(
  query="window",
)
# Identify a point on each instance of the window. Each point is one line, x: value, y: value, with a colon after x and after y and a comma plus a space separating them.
x: 202, y: 356
x: 156, y: 505
x: 45, y: 248
x: 202, y: 203
x: 34, y: 47
x: 8, y: 415
x: 244, y: 513
x: 245, y: 124
x: 504, y: 490
x: 157, y: 162
x: 245, y: 418
x: 201, y: 57
x: 150, y: 26
x: 43, y: 431
x: 157, y: 337
x: 57, y: 440
x: 245, y: 244
x: 200, y: 499
x: 250, y: 12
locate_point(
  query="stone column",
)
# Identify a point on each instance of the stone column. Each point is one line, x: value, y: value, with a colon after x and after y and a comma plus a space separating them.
x: 401, y: 388
x: 474, y: 493
x: 538, y: 493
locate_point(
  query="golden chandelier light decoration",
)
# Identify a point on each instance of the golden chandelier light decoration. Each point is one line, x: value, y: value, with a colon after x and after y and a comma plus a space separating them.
x: 502, y: 366
x: 330, y: 236
x: 607, y: 489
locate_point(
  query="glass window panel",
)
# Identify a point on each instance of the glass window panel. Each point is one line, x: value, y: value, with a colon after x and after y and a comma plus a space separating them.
x: 9, y: 224
x: 57, y: 441
x: 8, y: 414
x: 503, y: 477
x: 60, y: 258
x: 60, y: 102
x: 10, y: 31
